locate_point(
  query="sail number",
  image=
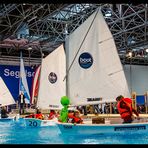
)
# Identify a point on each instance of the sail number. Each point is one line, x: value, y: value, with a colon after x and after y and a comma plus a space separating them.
x: 33, y: 123
x: 129, y: 128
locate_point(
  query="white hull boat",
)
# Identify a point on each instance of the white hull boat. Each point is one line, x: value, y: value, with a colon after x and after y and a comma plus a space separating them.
x: 95, y: 75
x: 87, y: 129
x: 7, y: 119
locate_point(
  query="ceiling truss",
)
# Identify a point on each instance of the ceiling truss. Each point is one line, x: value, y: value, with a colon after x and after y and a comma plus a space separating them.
x: 47, y: 25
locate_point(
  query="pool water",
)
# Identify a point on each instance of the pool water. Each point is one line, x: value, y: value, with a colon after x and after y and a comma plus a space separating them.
x: 12, y: 132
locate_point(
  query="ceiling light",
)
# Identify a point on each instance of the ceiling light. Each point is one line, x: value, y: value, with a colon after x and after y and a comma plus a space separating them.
x: 29, y: 48
x: 108, y: 13
x: 130, y: 54
x: 146, y: 50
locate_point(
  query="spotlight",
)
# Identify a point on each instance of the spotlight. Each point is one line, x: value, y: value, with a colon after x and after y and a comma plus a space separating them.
x: 146, y: 50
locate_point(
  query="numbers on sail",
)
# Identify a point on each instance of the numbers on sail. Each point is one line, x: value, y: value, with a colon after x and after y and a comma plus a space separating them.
x: 33, y: 123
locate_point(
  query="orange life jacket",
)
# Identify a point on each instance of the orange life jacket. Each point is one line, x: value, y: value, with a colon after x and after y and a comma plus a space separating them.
x: 39, y: 116
x: 123, y: 111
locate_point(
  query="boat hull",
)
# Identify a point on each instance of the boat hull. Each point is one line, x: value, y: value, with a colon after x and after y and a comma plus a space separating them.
x: 68, y: 128
x: 7, y: 119
x: 33, y: 122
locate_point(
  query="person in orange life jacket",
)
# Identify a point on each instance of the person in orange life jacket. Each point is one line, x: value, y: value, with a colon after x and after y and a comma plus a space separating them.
x: 39, y: 115
x: 33, y: 115
x: 52, y: 114
x: 125, y: 109
x: 75, y: 117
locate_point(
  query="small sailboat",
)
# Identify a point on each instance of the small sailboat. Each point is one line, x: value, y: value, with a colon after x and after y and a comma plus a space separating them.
x: 5, y: 98
x: 94, y: 71
x: 23, y: 85
x: 51, y: 86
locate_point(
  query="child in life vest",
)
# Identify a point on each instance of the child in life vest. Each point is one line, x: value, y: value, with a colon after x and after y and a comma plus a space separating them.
x: 75, y: 117
x: 52, y: 114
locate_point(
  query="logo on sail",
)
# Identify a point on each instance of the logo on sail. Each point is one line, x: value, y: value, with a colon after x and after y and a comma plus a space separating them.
x: 85, y: 60
x: 52, y: 77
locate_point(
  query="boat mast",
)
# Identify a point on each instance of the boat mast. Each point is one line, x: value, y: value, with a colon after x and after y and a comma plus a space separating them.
x: 20, y: 77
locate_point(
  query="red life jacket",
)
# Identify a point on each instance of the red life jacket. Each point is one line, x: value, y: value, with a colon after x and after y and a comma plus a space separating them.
x: 74, y: 119
x: 51, y: 115
x: 123, y: 111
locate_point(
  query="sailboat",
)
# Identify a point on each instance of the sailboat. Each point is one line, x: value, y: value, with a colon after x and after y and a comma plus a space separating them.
x: 94, y: 71
x: 23, y: 85
x: 51, y: 86
x: 5, y: 98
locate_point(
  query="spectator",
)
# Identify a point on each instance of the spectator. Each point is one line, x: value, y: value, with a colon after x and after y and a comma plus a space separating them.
x: 96, y: 108
x: 106, y: 108
x: 21, y: 103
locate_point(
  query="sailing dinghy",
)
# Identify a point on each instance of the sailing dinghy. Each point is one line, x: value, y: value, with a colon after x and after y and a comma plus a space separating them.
x: 51, y: 86
x: 94, y: 71
x: 5, y: 99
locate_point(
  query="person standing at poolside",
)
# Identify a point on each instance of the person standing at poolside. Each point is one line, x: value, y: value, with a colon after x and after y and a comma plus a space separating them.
x: 21, y: 103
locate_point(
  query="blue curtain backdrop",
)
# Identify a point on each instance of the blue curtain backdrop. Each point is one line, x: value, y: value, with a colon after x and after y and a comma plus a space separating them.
x: 10, y: 75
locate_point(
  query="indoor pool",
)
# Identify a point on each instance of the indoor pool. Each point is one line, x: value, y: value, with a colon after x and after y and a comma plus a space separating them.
x: 13, y: 132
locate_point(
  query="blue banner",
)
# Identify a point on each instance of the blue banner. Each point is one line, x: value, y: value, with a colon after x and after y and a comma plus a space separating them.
x: 10, y: 75
x: 140, y: 100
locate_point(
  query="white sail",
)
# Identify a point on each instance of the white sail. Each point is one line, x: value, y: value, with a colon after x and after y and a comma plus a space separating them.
x: 23, y: 85
x: 5, y: 95
x: 52, y: 86
x: 96, y: 71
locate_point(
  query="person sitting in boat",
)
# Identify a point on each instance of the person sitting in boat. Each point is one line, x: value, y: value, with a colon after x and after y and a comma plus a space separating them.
x: 52, y: 114
x: 39, y: 115
x: 4, y: 112
x: 75, y: 117
x: 125, y: 109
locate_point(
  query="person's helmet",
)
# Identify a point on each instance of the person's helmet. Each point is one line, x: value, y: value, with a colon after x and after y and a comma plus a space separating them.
x: 119, y: 98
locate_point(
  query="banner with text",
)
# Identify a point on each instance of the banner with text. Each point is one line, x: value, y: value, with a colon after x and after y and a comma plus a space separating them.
x: 10, y: 75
